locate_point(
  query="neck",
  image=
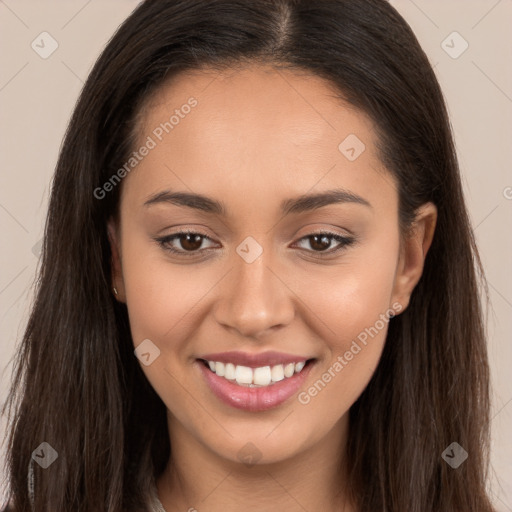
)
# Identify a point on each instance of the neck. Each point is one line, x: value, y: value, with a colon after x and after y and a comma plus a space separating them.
x: 197, y: 478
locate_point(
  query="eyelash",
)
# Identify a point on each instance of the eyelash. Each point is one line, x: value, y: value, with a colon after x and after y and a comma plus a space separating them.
x: 343, y: 240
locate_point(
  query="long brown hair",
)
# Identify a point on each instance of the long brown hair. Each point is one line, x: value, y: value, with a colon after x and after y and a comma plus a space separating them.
x: 77, y: 384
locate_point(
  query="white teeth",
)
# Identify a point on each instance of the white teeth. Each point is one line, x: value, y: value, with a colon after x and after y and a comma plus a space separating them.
x: 289, y: 370
x: 262, y: 376
x: 299, y: 366
x: 243, y: 375
x: 255, y: 377
x: 219, y: 369
x: 229, y: 371
x: 277, y: 373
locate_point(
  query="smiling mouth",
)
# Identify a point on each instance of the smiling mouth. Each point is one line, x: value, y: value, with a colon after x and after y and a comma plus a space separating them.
x: 263, y: 376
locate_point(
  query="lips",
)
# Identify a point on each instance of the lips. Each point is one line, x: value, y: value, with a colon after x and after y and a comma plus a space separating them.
x: 231, y: 384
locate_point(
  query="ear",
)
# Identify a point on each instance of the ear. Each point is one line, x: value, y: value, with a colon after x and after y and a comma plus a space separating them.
x: 413, y: 251
x: 116, y: 266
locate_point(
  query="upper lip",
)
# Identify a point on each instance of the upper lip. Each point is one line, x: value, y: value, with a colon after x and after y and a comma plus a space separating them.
x: 270, y: 358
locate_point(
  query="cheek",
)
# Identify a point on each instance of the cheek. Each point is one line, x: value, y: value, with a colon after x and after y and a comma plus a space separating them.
x: 352, y: 295
x: 162, y: 301
x: 353, y: 305
x: 160, y: 296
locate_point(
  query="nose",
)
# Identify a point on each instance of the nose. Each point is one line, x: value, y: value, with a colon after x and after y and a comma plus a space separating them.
x: 254, y: 298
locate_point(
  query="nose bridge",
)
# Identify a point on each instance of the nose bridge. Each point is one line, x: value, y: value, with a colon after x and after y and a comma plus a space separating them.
x: 254, y: 299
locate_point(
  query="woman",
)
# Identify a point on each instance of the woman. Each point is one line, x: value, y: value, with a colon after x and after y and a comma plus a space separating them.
x: 258, y: 268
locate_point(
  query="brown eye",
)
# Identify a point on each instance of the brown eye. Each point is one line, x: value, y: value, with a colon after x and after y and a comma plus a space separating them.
x: 183, y: 242
x: 322, y: 242
x: 190, y: 241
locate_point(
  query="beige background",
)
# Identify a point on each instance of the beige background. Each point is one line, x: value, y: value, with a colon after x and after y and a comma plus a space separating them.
x: 37, y: 96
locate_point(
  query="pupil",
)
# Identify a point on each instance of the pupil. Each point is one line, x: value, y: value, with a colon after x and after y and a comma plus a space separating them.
x: 191, y: 242
x: 324, y: 244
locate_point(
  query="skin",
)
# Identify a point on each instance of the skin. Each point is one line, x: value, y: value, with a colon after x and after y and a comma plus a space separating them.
x: 259, y: 136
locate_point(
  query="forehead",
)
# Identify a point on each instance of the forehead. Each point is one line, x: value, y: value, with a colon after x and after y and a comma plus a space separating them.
x: 260, y: 98
x: 252, y: 128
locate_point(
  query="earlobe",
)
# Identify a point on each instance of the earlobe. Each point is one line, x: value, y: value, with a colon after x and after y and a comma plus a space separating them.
x: 116, y: 267
x: 413, y: 251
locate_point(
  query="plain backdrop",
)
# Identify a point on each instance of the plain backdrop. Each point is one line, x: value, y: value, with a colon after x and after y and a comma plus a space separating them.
x: 470, y: 46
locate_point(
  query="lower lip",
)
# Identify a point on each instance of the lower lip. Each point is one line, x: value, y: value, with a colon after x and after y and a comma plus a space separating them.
x: 254, y: 399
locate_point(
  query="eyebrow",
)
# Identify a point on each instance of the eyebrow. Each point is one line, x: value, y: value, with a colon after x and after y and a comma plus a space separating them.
x: 300, y: 204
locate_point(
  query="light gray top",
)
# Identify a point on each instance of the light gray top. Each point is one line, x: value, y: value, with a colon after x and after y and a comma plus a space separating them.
x: 156, y: 505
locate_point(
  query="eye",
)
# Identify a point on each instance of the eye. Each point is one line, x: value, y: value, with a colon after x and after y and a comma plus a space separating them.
x: 321, y: 242
x: 190, y: 241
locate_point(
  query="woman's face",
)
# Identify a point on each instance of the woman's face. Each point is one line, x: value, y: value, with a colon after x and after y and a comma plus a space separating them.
x: 265, y: 163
